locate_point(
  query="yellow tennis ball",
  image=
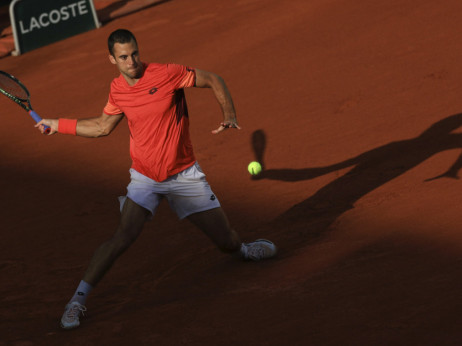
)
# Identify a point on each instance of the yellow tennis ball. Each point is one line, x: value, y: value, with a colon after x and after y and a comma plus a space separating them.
x: 254, y: 168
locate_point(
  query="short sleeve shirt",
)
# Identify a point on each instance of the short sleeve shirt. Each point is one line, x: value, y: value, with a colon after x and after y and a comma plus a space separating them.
x: 155, y: 107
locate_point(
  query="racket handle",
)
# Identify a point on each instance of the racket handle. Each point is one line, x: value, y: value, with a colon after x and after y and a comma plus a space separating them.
x: 37, y: 119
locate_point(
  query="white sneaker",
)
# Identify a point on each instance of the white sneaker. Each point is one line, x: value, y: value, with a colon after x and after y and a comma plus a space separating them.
x: 259, y: 249
x: 71, y: 315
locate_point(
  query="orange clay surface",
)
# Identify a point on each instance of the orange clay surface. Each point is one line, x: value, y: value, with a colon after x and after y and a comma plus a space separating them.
x: 355, y: 110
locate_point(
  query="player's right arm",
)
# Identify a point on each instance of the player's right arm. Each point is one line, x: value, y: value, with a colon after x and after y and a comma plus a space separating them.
x: 90, y: 127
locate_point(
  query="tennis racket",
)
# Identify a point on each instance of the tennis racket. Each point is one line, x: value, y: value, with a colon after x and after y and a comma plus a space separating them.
x: 12, y: 88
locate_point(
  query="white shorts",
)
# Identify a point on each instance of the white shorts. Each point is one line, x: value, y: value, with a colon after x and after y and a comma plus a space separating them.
x: 186, y: 192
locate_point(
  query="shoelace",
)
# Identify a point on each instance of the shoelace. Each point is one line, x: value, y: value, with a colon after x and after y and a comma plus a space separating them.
x: 74, y: 311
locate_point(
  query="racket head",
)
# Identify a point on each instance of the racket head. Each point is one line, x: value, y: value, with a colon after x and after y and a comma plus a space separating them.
x: 10, y: 85
x: 12, y: 88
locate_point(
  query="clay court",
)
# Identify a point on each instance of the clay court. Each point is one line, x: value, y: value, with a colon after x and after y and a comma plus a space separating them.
x: 355, y: 110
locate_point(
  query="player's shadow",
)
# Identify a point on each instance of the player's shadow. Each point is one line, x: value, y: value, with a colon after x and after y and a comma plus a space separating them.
x: 306, y: 221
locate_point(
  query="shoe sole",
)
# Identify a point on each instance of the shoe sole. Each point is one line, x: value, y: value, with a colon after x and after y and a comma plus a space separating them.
x: 68, y: 328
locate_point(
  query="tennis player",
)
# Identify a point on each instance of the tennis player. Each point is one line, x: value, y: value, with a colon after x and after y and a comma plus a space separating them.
x: 151, y: 97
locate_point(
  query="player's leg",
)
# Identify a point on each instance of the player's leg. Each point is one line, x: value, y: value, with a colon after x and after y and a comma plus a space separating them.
x: 131, y: 224
x: 215, y: 225
x: 192, y: 197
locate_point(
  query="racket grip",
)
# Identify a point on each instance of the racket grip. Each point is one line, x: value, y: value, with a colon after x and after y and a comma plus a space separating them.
x: 37, y: 119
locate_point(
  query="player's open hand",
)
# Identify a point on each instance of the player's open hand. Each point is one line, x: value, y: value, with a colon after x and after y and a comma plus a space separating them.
x: 51, y: 123
x: 227, y: 124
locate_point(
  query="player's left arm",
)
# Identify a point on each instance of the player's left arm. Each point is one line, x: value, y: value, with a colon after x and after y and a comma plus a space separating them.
x: 211, y: 80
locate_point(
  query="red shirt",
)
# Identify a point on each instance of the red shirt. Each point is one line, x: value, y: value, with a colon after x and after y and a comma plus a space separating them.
x: 155, y: 107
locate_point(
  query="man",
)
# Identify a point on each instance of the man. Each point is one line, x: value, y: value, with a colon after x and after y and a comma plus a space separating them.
x: 152, y: 99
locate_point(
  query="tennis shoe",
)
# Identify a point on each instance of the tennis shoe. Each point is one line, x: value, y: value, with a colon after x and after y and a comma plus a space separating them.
x: 258, y: 250
x: 71, y: 315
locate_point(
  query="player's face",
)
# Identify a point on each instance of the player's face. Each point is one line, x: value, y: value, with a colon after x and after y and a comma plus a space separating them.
x: 127, y: 59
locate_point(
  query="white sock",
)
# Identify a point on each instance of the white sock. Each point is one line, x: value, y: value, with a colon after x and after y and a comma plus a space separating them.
x: 81, y: 293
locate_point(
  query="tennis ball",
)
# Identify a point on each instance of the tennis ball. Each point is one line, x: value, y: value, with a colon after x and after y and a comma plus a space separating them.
x: 254, y: 168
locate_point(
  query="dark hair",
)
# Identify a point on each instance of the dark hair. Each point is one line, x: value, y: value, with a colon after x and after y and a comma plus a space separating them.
x: 119, y: 36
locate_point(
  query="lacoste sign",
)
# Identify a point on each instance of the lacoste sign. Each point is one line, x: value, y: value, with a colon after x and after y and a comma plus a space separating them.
x: 37, y: 23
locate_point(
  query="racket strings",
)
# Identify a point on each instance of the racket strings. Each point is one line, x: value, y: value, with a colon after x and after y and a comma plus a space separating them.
x: 13, y: 88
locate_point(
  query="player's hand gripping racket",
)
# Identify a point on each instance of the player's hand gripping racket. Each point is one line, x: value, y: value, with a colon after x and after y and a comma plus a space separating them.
x: 12, y: 88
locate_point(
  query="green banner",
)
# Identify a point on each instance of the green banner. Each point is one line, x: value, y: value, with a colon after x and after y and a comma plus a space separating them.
x: 37, y: 23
